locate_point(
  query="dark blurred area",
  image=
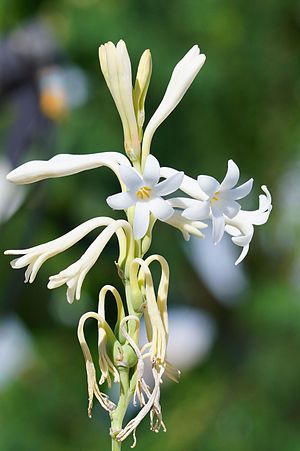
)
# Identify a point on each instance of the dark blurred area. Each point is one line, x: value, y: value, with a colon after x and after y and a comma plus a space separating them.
x: 240, y: 386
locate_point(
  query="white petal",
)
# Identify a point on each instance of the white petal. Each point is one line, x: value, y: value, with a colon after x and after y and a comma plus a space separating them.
x: 120, y: 201
x: 218, y: 223
x: 186, y: 226
x: 141, y: 219
x: 151, y: 173
x: 230, y: 208
x: 188, y: 185
x: 208, y: 184
x: 181, y: 79
x: 242, y: 255
x: 64, y: 164
x: 160, y: 208
x: 169, y: 185
x: 232, y: 176
x: 201, y: 211
x: 241, y: 191
x: 131, y: 178
x: 183, y: 202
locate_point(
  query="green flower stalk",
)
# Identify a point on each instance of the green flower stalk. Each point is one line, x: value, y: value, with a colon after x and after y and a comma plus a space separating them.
x: 144, y: 186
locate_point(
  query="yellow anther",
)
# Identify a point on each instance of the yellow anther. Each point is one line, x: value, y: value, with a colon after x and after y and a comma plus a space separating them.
x: 216, y: 196
x: 144, y: 193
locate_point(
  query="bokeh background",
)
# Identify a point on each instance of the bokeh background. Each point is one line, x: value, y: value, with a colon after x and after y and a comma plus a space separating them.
x: 236, y: 331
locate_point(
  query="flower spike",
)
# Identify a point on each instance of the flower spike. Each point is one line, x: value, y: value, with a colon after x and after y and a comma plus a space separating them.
x: 146, y: 191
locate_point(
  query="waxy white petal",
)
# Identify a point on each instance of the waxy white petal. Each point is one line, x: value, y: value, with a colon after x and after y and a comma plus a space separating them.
x: 188, y: 185
x: 151, y: 174
x: 230, y: 208
x: 186, y: 226
x: 182, y: 77
x: 208, y: 184
x: 241, y: 227
x: 141, y: 219
x: 197, y: 212
x: 131, y: 178
x: 169, y: 185
x: 232, y: 176
x: 160, y: 208
x: 218, y: 223
x: 242, y: 255
x: 241, y: 191
x: 65, y: 164
x: 183, y: 202
x: 120, y: 201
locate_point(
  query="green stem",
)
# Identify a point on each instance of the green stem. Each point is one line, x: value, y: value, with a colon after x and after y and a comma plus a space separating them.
x: 117, y: 416
x: 115, y: 446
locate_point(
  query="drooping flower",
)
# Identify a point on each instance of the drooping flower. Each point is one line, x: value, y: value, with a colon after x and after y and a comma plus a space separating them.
x: 221, y: 200
x: 145, y: 192
x: 74, y: 275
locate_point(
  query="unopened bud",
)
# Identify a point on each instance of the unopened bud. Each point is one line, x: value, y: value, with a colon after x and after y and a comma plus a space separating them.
x: 141, y: 87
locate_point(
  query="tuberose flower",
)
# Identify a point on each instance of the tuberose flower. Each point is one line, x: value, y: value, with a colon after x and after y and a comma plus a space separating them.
x: 220, y: 202
x: 144, y: 191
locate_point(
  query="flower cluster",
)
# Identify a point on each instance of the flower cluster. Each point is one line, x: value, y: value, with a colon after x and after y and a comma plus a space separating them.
x: 148, y: 193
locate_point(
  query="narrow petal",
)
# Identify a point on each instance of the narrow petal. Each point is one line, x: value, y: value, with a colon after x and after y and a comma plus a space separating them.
x: 208, y: 184
x: 241, y: 191
x: 120, y: 201
x: 183, y: 202
x: 218, y: 223
x: 63, y: 165
x: 188, y: 186
x: 160, y: 208
x: 201, y: 211
x: 242, y: 255
x: 230, y: 208
x: 169, y: 185
x: 141, y: 219
x: 181, y: 79
x: 130, y: 177
x: 151, y: 173
x: 232, y: 176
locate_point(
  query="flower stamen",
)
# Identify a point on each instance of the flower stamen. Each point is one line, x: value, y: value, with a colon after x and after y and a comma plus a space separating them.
x: 215, y: 197
x: 144, y: 193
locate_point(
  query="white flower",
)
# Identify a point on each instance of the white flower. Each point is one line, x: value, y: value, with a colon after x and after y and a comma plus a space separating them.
x: 145, y: 193
x: 186, y: 226
x: 34, y: 257
x: 241, y: 226
x: 220, y: 202
x: 182, y: 77
x: 74, y: 275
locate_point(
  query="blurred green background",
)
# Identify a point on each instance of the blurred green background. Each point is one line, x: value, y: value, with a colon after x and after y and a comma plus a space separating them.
x: 244, y: 105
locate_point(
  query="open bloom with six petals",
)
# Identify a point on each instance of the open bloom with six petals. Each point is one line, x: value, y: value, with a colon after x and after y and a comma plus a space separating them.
x: 220, y: 199
x: 144, y: 191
